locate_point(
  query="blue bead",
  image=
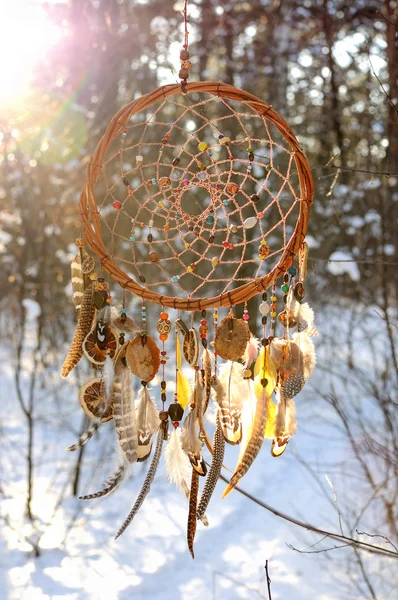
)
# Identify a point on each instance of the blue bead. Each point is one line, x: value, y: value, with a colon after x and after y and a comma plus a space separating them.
x: 292, y: 271
x: 153, y: 180
x: 225, y: 202
x: 210, y: 219
x: 132, y: 238
x: 123, y: 311
x: 175, y: 278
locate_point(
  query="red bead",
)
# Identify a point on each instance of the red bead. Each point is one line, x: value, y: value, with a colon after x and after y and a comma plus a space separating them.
x: 203, y: 322
x: 176, y: 424
x: 162, y: 362
x: 203, y: 336
x: 116, y: 204
x: 230, y: 246
x: 225, y: 244
x: 163, y: 353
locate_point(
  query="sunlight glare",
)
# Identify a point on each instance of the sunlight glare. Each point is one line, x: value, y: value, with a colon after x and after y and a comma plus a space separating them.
x: 26, y: 36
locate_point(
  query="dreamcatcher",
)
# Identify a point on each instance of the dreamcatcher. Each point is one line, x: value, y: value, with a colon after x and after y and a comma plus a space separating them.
x: 196, y: 200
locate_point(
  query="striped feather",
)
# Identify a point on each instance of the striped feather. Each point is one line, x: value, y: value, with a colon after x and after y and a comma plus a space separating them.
x: 147, y: 483
x: 112, y: 483
x: 191, y: 443
x: 206, y: 365
x: 193, y: 502
x: 254, y: 444
x: 230, y: 391
x: 124, y: 415
x: 78, y: 279
x: 215, y: 468
x: 147, y: 419
x: 84, y: 324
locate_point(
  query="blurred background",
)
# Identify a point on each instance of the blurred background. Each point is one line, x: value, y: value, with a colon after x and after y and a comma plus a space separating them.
x: 331, y: 70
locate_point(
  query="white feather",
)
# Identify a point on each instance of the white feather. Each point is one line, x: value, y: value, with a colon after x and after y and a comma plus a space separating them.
x: 251, y: 352
x: 147, y: 416
x: 307, y: 348
x: 178, y: 467
x: 190, y: 435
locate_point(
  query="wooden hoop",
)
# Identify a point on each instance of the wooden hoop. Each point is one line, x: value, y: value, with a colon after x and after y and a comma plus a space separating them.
x: 92, y: 222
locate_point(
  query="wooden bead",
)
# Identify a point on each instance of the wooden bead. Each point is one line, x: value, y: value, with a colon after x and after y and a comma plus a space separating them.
x: 184, y: 55
x: 183, y: 74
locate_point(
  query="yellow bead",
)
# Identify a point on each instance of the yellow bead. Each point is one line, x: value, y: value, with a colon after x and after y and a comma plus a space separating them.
x: 186, y: 246
x: 273, y: 298
x: 202, y: 146
x: 263, y: 243
x: 161, y: 204
x: 273, y: 314
x: 189, y: 269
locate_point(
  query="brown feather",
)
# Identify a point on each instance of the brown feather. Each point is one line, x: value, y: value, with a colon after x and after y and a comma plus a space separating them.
x: 254, y: 444
x: 193, y: 502
x: 84, y: 324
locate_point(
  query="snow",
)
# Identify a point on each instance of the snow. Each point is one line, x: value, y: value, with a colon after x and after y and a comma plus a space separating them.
x: 81, y: 561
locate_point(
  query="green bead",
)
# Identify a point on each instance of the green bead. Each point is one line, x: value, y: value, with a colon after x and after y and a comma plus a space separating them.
x: 285, y: 288
x: 250, y: 149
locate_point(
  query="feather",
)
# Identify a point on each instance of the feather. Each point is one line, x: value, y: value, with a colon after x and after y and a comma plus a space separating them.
x: 285, y: 427
x: 124, y: 409
x: 193, y: 502
x: 178, y: 467
x: 84, y: 324
x: 265, y: 369
x: 113, y: 482
x: 191, y: 443
x: 197, y: 401
x: 122, y: 322
x: 206, y: 365
x: 177, y: 463
x: 308, y: 355
x: 183, y: 389
x: 305, y: 319
x: 215, y: 468
x: 254, y: 444
x: 230, y: 390
x: 248, y: 416
x: 147, y: 418
x: 94, y: 425
x: 147, y: 482
x: 78, y: 279
x: 251, y: 352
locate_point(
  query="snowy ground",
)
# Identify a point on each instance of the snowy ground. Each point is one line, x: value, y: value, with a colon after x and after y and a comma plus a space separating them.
x: 81, y: 561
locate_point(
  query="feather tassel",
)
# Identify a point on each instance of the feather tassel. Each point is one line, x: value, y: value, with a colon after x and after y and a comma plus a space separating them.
x: 112, y: 483
x: 193, y: 502
x: 215, y: 468
x: 177, y: 463
x: 78, y: 279
x: 191, y: 443
x: 229, y: 393
x: 251, y: 352
x: 147, y: 483
x: 124, y: 415
x: 207, y: 366
x: 147, y: 418
x: 84, y: 324
x: 254, y: 444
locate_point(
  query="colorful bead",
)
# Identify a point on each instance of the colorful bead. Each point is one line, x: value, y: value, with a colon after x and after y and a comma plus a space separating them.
x: 285, y: 288
x: 175, y: 162
x: 186, y: 246
x: 163, y: 337
x: 224, y: 140
x: 264, y: 308
x: 202, y: 146
x: 153, y: 181
x: 116, y: 204
x: 214, y: 262
x: 185, y: 181
x: 154, y: 257
x: 245, y: 317
x: 225, y: 202
x: 233, y: 228
x: 232, y: 189
x: 210, y: 219
x: 292, y: 271
x: 139, y: 160
x: 164, y: 181
x: 250, y: 222
x: 175, y: 278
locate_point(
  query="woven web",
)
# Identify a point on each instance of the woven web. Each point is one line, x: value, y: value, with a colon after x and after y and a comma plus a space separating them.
x: 187, y: 237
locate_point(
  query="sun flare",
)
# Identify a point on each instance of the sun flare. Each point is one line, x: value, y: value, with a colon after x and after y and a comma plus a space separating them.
x: 26, y: 37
